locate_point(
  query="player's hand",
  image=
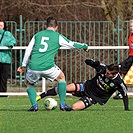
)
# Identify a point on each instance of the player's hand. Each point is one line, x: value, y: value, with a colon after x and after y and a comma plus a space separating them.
x: 10, y: 46
x: 86, y: 50
x: 20, y: 69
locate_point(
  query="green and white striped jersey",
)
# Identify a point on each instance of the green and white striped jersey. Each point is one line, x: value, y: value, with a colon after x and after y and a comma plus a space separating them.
x: 44, y: 46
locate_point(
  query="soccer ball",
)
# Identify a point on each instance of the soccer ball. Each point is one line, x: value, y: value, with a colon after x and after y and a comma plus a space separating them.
x: 50, y: 104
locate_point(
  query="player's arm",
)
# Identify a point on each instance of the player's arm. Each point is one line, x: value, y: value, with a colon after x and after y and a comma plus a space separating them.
x: 95, y: 64
x: 26, y: 56
x: 125, y: 96
x: 123, y: 90
x: 11, y: 41
x: 125, y: 101
x: 68, y: 44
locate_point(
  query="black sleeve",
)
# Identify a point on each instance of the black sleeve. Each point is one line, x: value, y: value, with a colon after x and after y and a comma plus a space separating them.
x: 95, y: 64
x: 125, y: 101
x: 123, y: 90
x: 92, y: 63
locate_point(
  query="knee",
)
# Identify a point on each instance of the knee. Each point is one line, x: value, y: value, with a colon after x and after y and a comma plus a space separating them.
x: 74, y: 107
x: 61, y: 77
x: 79, y: 105
x: 27, y: 83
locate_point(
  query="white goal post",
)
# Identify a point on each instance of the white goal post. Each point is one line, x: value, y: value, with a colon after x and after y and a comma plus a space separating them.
x: 43, y: 79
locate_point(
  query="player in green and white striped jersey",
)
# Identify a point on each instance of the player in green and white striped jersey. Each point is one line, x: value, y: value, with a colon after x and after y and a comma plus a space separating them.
x: 40, y: 55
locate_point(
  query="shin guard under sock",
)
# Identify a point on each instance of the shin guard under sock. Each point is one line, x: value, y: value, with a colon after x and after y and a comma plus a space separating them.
x: 32, y: 95
x: 62, y: 91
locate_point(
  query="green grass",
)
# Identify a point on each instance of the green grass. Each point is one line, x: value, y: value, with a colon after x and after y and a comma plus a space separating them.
x: 110, y: 118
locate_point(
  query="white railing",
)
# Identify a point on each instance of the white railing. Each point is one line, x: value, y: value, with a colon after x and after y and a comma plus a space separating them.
x: 90, y: 47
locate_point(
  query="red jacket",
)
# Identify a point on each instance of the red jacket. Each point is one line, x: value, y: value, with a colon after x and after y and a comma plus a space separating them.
x: 130, y: 44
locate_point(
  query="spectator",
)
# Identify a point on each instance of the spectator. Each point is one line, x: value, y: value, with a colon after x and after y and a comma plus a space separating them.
x: 127, y: 63
x: 6, y: 39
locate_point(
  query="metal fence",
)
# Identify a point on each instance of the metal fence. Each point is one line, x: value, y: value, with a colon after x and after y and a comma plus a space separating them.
x: 94, y: 33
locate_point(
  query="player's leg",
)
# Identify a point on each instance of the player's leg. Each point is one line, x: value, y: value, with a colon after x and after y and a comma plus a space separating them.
x: 83, y: 103
x: 61, y: 88
x: 31, y: 78
x: 53, y: 92
x: 125, y: 65
x: 55, y: 73
x: 32, y: 97
x: 71, y: 88
x: 124, y: 68
x: 50, y: 92
x: 118, y: 96
x: 79, y: 105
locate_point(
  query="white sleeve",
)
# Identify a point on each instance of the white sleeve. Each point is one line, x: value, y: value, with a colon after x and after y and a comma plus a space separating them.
x: 28, y: 52
x: 68, y: 44
x: 65, y: 43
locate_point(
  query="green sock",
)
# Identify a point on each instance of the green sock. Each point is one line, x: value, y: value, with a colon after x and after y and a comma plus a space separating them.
x: 32, y: 95
x: 62, y: 91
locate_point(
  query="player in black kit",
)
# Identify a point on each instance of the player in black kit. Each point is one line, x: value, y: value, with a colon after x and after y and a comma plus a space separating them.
x: 97, y: 90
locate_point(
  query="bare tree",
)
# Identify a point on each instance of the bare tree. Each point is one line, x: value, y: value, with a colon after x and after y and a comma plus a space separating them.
x: 67, y: 9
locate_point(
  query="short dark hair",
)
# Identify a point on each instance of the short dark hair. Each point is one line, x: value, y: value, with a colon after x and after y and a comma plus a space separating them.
x: 113, y: 68
x: 51, y: 22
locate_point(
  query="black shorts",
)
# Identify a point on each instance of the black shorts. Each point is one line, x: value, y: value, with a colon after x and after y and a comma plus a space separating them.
x: 80, y: 92
x: 126, y: 64
x: 87, y: 101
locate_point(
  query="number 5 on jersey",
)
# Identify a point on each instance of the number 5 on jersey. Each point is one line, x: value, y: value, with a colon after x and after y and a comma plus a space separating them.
x: 44, y: 43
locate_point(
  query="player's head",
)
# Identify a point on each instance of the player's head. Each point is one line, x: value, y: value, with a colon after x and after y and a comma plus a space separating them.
x: 112, y: 70
x: 131, y: 25
x: 2, y: 25
x: 51, y: 23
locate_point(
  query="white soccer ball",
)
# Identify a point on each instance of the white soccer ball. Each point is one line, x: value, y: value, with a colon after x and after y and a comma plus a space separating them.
x: 50, y: 104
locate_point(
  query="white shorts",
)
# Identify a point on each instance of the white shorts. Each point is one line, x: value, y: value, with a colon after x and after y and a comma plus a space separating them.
x: 33, y: 76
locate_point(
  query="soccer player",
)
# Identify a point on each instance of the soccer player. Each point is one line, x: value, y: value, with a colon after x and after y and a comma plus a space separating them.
x: 97, y: 90
x: 127, y: 63
x: 40, y: 55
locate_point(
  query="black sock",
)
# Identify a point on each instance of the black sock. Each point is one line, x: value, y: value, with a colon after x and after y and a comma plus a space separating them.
x: 51, y: 92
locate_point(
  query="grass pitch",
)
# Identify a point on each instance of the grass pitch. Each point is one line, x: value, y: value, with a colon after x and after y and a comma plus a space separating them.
x: 110, y: 118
